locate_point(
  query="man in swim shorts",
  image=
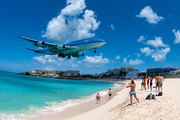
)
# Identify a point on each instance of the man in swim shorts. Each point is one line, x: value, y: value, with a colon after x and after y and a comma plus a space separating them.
x: 160, y: 83
x: 110, y: 93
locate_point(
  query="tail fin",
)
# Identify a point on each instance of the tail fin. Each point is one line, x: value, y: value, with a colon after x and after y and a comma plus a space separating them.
x: 32, y: 49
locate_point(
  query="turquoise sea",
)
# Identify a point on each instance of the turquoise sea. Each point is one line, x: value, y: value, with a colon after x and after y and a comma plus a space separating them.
x: 25, y: 96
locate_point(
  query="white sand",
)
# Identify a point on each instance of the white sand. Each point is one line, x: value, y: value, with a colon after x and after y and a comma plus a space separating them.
x: 166, y: 107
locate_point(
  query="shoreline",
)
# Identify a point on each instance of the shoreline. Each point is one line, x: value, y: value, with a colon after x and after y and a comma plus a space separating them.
x: 119, y: 108
x: 80, y: 108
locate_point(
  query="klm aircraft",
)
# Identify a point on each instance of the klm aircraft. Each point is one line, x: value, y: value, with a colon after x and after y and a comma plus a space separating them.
x: 69, y: 49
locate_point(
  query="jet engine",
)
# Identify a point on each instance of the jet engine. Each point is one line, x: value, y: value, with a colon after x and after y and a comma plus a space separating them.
x: 41, y: 44
x: 79, y: 55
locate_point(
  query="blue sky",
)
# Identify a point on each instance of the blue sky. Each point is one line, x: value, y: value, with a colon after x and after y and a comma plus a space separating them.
x: 143, y: 34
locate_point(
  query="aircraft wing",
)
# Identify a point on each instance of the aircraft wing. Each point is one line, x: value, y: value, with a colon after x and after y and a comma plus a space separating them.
x: 36, y: 42
x: 45, y: 44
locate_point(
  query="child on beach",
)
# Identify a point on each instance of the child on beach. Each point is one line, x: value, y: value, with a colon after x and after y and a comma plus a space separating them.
x: 98, y: 98
x: 132, y: 91
x: 110, y: 93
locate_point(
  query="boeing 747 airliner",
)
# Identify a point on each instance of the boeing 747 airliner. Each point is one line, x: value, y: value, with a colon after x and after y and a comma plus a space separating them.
x: 69, y: 49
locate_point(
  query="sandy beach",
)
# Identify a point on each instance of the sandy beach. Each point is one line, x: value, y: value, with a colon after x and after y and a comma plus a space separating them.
x: 165, y: 107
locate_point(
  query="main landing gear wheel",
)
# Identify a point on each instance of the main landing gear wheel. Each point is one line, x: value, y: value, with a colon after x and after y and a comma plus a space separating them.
x: 95, y: 50
x: 60, y: 54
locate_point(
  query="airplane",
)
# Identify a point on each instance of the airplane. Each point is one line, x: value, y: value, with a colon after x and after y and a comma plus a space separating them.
x: 69, y: 49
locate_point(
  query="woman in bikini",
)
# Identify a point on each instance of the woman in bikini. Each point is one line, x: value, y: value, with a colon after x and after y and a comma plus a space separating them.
x: 132, y: 91
x: 151, y: 79
x: 148, y: 82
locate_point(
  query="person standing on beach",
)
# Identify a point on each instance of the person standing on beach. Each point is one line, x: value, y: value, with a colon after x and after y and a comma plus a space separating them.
x: 160, y: 83
x: 110, y: 93
x: 132, y: 91
x: 144, y: 81
x: 156, y: 81
x: 151, y: 79
x: 148, y: 82
x: 98, y: 98
x: 142, y: 84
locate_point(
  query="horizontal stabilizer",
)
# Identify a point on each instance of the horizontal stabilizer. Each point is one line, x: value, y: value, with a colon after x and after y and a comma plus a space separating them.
x: 32, y: 49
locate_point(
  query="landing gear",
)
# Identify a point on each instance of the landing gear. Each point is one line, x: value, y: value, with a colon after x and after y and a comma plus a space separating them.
x: 69, y: 57
x: 95, y: 50
x: 60, y: 55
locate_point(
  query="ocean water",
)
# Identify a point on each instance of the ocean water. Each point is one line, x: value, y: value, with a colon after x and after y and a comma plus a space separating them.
x: 26, y: 96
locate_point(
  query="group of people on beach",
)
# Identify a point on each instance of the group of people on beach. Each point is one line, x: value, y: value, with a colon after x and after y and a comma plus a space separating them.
x: 149, y: 80
x: 98, y: 97
x: 146, y: 81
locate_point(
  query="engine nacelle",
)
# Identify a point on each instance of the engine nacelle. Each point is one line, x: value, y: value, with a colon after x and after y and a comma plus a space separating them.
x: 41, y: 44
x: 79, y: 55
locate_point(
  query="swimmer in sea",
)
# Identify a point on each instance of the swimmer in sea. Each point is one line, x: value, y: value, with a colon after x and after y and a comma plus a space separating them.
x: 98, y: 98
x: 132, y: 91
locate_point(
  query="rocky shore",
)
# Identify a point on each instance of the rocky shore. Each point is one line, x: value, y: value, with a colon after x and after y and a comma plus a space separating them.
x: 74, y: 78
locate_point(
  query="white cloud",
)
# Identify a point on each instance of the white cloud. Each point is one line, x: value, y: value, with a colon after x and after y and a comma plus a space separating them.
x: 95, y: 61
x: 141, y: 38
x: 49, y: 68
x: 117, y: 57
x: 138, y: 55
x: 73, y: 22
x: 73, y: 62
x: 147, y: 51
x: 177, y: 36
x: 112, y: 27
x: 45, y: 59
x: 160, y: 55
x: 53, y: 59
x: 137, y: 61
x: 129, y: 55
x: 150, y: 16
x: 125, y: 60
x: 156, y: 43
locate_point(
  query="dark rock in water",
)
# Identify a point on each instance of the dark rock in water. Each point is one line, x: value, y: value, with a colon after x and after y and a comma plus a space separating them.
x: 25, y: 73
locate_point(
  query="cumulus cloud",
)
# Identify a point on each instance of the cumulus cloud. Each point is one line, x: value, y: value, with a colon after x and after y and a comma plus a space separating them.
x: 95, y: 61
x: 117, y: 57
x: 125, y: 60
x: 129, y: 55
x: 177, y: 36
x: 112, y: 27
x: 54, y: 60
x: 138, y: 55
x: 49, y: 68
x: 160, y: 55
x: 141, y: 38
x: 137, y: 61
x: 150, y: 16
x: 147, y: 51
x: 73, y: 22
x: 45, y: 59
x: 156, y: 43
